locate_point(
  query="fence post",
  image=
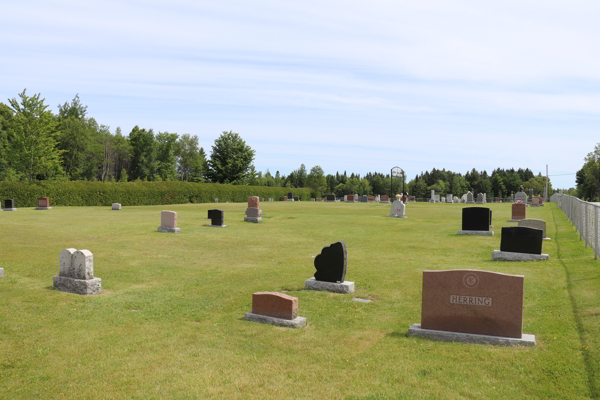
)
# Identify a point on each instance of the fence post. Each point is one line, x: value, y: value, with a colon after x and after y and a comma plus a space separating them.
x: 596, y: 240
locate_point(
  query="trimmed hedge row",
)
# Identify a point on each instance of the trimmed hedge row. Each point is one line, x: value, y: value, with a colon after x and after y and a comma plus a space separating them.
x: 82, y: 193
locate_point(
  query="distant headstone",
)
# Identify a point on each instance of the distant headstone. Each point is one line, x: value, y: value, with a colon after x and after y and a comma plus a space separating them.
x: 535, y: 202
x: 520, y: 243
x: 217, y: 218
x: 270, y: 199
x: 296, y: 198
x: 168, y: 222
x: 521, y: 196
x: 331, y: 267
x: 282, y: 198
x: 370, y: 199
x: 253, y: 212
x: 43, y: 203
x: 290, y: 195
x: 432, y: 199
x: 485, y: 197
x: 397, y: 209
x: 351, y: 198
x: 530, y: 195
x: 449, y: 198
x: 216, y: 200
x: 9, y: 205
x: 534, y: 223
x: 476, y: 221
x: 253, y: 201
x: 330, y: 197
x: 313, y: 199
x: 519, y: 212
x: 275, y: 309
x: 363, y: 199
x: 469, y: 198
x: 384, y: 198
x: 77, y: 273
x: 1, y: 271
x: 405, y: 199
x: 480, y: 198
x: 488, y: 306
x: 116, y: 206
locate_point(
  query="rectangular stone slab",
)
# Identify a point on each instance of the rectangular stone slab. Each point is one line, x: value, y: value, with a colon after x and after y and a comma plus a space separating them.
x: 519, y: 211
x: 473, y: 301
x: 43, y: 202
x: 521, y: 239
x: 330, y: 197
x: 476, y: 219
x: 9, y: 203
x: 274, y: 304
x: 534, y: 223
x: 168, y: 219
x: 253, y: 202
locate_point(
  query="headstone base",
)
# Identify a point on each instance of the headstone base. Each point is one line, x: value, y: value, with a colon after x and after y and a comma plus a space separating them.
x: 479, y: 202
x: 514, y: 220
x: 167, y: 230
x: 298, y: 322
x: 43, y: 208
x: 252, y: 219
x: 397, y: 216
x: 469, y: 202
x: 218, y: 226
x: 481, y: 233
x: 547, y: 239
x: 445, y: 336
x: 77, y: 286
x: 386, y: 202
x: 9, y: 209
x: 343, y: 287
x: 498, y: 255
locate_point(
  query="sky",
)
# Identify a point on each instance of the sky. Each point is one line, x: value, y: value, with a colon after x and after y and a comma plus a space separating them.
x: 347, y: 85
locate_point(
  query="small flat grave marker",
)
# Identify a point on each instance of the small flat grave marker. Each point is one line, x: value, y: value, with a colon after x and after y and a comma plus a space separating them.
x: 275, y: 309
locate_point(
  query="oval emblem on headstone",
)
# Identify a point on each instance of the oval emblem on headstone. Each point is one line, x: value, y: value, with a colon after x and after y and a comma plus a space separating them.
x: 471, y: 280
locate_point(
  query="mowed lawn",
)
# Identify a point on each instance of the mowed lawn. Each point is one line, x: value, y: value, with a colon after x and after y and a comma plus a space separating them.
x: 168, y: 323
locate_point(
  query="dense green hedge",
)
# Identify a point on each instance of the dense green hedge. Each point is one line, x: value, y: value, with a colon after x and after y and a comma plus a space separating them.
x: 81, y: 193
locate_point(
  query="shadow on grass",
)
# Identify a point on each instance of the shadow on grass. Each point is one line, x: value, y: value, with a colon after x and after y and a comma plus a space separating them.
x: 397, y: 334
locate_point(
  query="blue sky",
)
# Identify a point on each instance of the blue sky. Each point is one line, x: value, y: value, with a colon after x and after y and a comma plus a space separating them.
x: 347, y: 85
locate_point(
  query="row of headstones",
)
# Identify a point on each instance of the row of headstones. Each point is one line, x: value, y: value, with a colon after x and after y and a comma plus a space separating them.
x: 43, y: 203
x: 517, y: 243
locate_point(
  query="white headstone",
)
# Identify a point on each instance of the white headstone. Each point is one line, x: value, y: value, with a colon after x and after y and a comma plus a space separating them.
x: 397, y: 209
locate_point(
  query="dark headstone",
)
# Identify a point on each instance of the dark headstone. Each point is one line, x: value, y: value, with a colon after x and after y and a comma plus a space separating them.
x: 521, y: 239
x: 282, y: 199
x: 217, y: 217
x: 476, y: 219
x: 363, y: 199
x: 331, y: 197
x: 530, y: 198
x: 331, y: 263
x: 296, y: 198
x: 9, y: 203
x: 290, y: 195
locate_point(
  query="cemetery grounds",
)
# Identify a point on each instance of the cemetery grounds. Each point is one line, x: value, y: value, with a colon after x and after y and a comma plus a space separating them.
x: 168, y: 323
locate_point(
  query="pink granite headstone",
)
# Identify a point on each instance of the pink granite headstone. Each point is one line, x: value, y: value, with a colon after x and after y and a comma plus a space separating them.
x: 519, y: 211
x: 253, y: 201
x: 473, y: 301
x: 168, y: 219
x: 274, y: 304
x: 43, y: 201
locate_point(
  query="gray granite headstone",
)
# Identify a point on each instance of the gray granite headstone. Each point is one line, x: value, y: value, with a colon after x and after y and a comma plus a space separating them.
x: 77, y: 273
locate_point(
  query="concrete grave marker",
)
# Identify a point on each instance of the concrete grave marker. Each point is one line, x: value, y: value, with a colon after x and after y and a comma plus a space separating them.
x: 476, y: 221
x: 520, y: 243
x: 331, y: 267
x: 535, y: 223
x: 116, y: 206
x: 168, y: 222
x: 473, y: 306
x: 9, y: 205
x: 275, y: 309
x: 469, y: 198
x: 76, y: 274
x: 330, y: 197
x: 253, y: 212
x: 480, y: 198
x: 43, y: 203
x: 535, y: 202
x: 397, y: 210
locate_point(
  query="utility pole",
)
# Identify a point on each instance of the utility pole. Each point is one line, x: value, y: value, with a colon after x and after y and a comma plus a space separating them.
x: 546, y: 188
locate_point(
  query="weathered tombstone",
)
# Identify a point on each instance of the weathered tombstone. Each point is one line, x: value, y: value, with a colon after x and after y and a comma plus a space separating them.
x: 432, y: 199
x: 480, y: 198
x: 216, y: 200
x: 313, y: 199
x: 363, y: 199
x: 519, y: 212
x: 270, y: 199
x: 275, y: 309
x: 116, y: 206
x: 530, y: 196
x: 535, y: 223
x: 43, y: 203
x: 469, y: 198
x: 384, y: 198
x: 473, y: 306
x: 455, y: 199
x: 535, y: 202
x: 476, y: 221
x: 168, y: 222
x: 370, y: 199
x: 77, y: 273
x: 541, y: 199
x: 397, y: 209
x: 330, y: 197
x: 449, y: 198
x: 520, y: 243
x: 282, y: 198
x: 351, y: 198
x: 296, y: 198
x: 290, y: 195
x: 521, y: 197
x: 331, y: 267
x: 217, y: 218
x: 9, y: 205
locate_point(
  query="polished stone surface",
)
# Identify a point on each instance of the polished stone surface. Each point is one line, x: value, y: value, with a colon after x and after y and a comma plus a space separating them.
x: 476, y: 219
x: 275, y: 304
x: 521, y: 239
x: 445, y: 336
x: 331, y: 264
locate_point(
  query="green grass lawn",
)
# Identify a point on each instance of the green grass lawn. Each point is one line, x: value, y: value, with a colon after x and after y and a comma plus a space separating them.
x: 168, y: 323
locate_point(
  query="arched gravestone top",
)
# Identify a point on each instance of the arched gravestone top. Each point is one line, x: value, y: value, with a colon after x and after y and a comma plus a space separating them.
x: 331, y: 264
x: 473, y: 301
x: 521, y: 239
x: 476, y: 219
x: 534, y: 223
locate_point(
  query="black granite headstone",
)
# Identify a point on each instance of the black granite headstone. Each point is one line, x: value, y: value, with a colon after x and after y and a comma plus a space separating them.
x: 9, y: 203
x: 522, y: 239
x: 331, y: 263
x: 476, y: 219
x: 331, y: 197
x: 491, y: 217
x: 217, y: 217
x: 363, y: 199
x: 296, y: 198
x: 290, y: 196
x: 282, y: 199
x: 211, y: 212
x: 530, y: 198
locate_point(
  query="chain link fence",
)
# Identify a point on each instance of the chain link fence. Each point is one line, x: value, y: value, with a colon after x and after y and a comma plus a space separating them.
x: 584, y: 216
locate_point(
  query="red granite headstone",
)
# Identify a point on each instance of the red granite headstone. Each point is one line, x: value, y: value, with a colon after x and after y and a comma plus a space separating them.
x: 473, y: 301
x: 253, y: 201
x: 43, y: 202
x: 519, y: 211
x: 274, y: 304
x: 384, y: 197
